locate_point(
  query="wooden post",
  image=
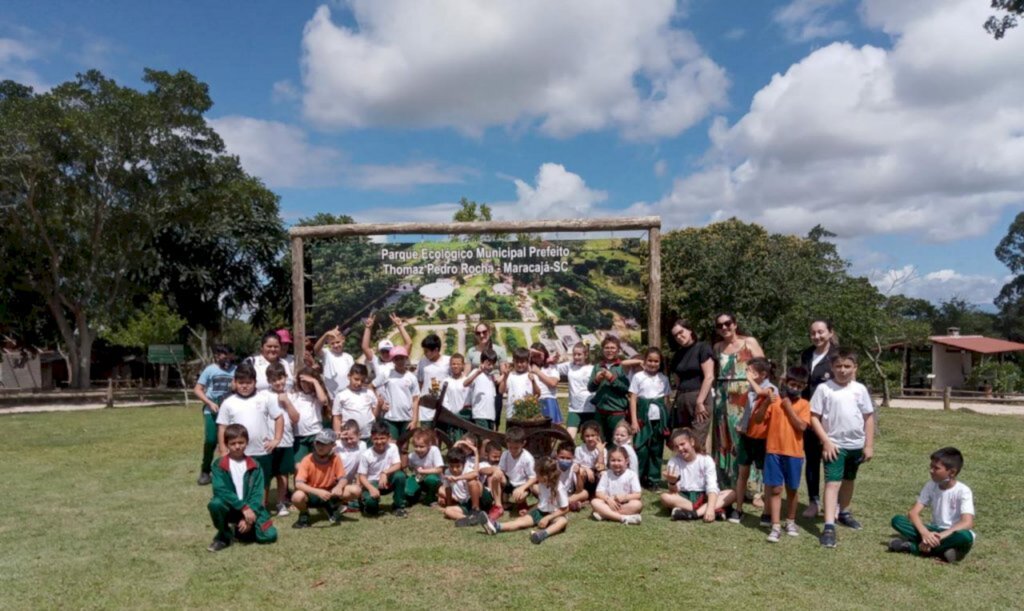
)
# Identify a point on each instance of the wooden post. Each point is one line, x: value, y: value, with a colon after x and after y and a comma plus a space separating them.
x: 110, y: 392
x: 947, y: 398
x: 654, y: 292
x: 298, y: 302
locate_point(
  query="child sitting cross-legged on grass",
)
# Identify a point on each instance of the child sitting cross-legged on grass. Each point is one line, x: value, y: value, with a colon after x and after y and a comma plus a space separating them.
x: 238, y: 494
x: 320, y: 481
x: 465, y: 498
x: 565, y: 454
x: 948, y: 535
x: 516, y: 468
x: 549, y: 514
x: 618, y: 492
x: 380, y: 472
x: 693, y: 482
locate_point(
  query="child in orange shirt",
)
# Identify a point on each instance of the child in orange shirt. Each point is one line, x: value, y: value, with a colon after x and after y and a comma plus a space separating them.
x: 753, y: 432
x: 320, y: 481
x: 786, y: 420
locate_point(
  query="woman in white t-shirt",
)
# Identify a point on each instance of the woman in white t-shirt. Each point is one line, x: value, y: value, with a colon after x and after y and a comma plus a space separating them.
x: 270, y: 352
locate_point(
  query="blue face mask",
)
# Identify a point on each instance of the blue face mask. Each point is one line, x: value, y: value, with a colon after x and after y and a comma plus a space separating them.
x: 564, y: 465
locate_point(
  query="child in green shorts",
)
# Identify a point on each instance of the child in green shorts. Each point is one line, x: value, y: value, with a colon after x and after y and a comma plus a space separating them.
x: 282, y: 459
x: 238, y: 493
x: 425, y: 468
x: 320, y: 481
x: 841, y: 414
x: 465, y: 499
x: 213, y: 385
x: 549, y: 516
x: 380, y: 473
x: 948, y: 535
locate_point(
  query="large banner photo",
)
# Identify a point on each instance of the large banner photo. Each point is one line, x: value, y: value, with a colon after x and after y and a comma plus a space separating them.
x: 556, y: 292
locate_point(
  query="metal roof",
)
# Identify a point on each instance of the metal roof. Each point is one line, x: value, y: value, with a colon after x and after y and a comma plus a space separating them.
x: 977, y: 343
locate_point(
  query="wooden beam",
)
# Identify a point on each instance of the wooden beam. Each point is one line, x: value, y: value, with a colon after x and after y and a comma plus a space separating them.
x: 298, y: 302
x: 654, y: 287
x: 481, y: 227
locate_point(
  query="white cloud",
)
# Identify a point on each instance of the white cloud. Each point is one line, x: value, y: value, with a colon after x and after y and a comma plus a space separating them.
x: 282, y: 155
x: 735, y: 34
x: 924, y: 139
x: 805, y: 20
x: 556, y: 194
x: 571, y: 67
x: 284, y: 91
x: 660, y: 167
x: 938, y: 286
x: 16, y: 57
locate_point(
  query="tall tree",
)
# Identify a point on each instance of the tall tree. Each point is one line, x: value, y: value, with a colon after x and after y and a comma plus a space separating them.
x: 1010, y: 301
x: 107, y: 193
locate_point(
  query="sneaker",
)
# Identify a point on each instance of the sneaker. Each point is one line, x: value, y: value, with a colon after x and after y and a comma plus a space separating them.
x: 951, y: 555
x: 400, y: 512
x: 633, y: 519
x: 901, y: 547
x: 334, y: 514
x: 846, y: 519
x: 474, y: 519
x: 282, y: 510
x: 775, y: 534
x: 766, y: 520
x: 792, y: 530
x: 828, y: 538
x: 204, y: 480
x: 734, y: 516
x: 812, y: 510
x: 303, y: 521
x: 719, y: 515
x: 491, y: 526
x: 217, y: 545
x: 537, y: 537
x: 683, y: 514
x: 495, y: 512
x: 352, y: 507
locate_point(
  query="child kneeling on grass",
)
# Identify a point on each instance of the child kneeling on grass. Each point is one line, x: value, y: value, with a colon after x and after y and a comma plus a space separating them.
x: 380, y: 472
x: 549, y: 514
x: 948, y: 535
x: 618, y: 492
x: 425, y: 467
x: 693, y: 482
x: 320, y: 481
x: 238, y: 494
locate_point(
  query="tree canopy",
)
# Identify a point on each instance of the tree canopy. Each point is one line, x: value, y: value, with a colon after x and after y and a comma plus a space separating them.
x: 108, y: 194
x: 997, y: 25
x: 1010, y: 300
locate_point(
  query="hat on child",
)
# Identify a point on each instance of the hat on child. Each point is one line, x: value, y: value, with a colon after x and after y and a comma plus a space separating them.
x: 398, y: 351
x: 284, y: 335
x: 326, y: 437
x: 385, y: 344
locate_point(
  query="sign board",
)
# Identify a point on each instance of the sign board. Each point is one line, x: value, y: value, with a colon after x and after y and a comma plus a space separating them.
x: 166, y: 354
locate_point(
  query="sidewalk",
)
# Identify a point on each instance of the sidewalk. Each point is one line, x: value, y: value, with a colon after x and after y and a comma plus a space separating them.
x: 79, y: 407
x: 995, y: 409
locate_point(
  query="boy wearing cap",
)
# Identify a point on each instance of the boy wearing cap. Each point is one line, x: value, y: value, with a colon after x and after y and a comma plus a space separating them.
x: 238, y: 494
x: 213, y: 385
x: 382, y: 364
x: 400, y: 392
x: 320, y: 481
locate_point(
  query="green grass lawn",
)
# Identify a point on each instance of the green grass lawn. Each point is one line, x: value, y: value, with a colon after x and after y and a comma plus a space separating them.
x: 101, y: 510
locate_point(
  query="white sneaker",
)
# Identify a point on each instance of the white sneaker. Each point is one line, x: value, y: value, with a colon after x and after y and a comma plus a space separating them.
x: 812, y: 511
x: 775, y: 535
x: 282, y: 510
x: 792, y: 530
x: 633, y: 519
x: 595, y: 516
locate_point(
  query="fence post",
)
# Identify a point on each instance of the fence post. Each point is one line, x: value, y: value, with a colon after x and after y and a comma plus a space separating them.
x: 947, y: 398
x: 110, y: 392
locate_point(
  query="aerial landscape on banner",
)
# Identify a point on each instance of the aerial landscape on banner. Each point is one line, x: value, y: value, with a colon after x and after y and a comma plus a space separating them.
x: 556, y: 292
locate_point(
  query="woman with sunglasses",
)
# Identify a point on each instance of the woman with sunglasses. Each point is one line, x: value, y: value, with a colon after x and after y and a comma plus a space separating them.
x: 484, y: 335
x: 733, y: 350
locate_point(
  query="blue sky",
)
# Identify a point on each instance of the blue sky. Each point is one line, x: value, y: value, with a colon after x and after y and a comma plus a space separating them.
x: 894, y: 124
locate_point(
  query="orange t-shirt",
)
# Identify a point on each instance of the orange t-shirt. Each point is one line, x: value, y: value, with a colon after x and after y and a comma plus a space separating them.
x: 759, y: 430
x: 321, y: 475
x: 782, y: 437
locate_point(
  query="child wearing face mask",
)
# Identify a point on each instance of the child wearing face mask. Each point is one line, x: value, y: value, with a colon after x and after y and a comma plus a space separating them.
x: 569, y: 474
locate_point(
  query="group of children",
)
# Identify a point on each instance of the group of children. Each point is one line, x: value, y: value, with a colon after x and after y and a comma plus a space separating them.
x: 344, y: 455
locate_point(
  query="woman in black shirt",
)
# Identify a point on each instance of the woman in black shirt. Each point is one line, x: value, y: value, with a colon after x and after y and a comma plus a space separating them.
x: 693, y: 368
x: 817, y: 360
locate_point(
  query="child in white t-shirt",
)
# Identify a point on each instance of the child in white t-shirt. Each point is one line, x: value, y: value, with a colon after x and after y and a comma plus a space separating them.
x: 949, y: 535
x: 425, y: 467
x: 841, y: 412
x: 482, y: 390
x: 350, y: 448
x: 457, y: 394
x: 336, y: 362
x: 517, y: 468
x: 401, y: 394
x: 618, y: 492
x: 569, y: 474
x: 380, y: 364
x: 518, y: 383
x: 546, y: 376
x: 431, y: 372
x: 578, y: 373
x: 308, y: 398
x: 623, y: 438
x: 591, y: 458
x: 357, y: 402
x: 648, y: 389
x: 552, y: 506
x: 693, y: 482
x: 380, y: 472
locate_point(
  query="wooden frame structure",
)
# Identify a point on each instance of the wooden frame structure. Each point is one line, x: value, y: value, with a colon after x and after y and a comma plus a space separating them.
x: 651, y: 224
